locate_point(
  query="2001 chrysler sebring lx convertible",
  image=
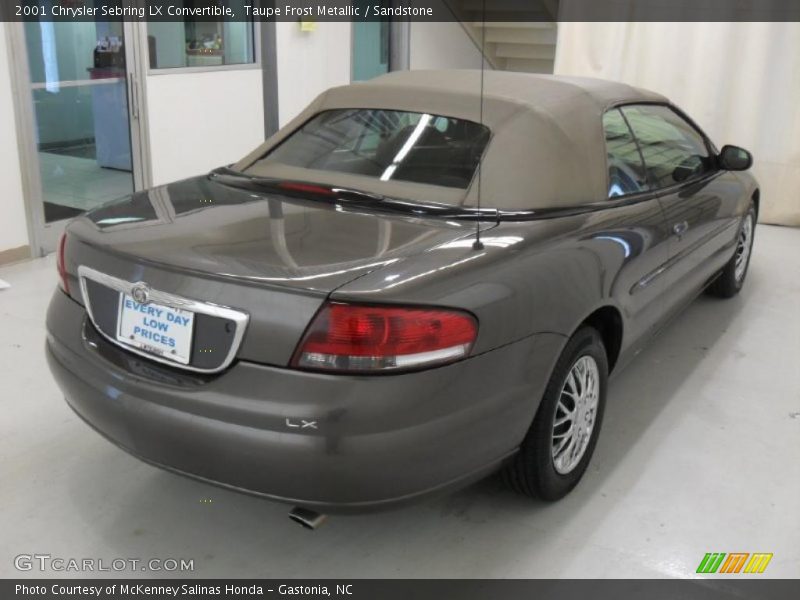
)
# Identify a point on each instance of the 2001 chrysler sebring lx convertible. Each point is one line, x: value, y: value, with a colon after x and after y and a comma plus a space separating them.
x: 409, y: 286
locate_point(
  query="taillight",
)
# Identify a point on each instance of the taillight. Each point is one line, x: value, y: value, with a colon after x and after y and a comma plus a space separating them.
x: 61, y: 263
x: 354, y: 337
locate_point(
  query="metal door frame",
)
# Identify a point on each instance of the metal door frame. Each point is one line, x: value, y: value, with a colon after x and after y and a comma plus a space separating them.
x: 44, y: 236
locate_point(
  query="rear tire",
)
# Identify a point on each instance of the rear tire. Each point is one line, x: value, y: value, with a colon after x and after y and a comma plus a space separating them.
x: 549, y: 463
x: 731, y: 279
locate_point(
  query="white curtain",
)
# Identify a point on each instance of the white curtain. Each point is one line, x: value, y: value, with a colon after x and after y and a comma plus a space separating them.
x: 739, y: 81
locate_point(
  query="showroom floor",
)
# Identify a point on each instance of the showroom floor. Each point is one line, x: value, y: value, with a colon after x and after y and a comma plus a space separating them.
x: 700, y: 452
x: 80, y: 182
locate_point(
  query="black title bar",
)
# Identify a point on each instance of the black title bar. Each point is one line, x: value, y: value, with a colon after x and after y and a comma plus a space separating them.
x: 403, y: 10
x: 712, y: 588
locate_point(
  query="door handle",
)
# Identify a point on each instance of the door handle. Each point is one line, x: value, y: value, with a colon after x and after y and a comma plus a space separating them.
x: 680, y: 228
x: 133, y: 96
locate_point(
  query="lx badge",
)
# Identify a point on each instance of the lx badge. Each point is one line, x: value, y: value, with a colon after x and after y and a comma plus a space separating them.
x: 303, y: 424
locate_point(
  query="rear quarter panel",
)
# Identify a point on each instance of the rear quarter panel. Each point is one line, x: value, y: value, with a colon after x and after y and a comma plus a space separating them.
x: 536, y: 276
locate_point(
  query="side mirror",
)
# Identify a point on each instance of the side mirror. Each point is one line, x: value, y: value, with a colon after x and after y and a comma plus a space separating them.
x: 733, y: 158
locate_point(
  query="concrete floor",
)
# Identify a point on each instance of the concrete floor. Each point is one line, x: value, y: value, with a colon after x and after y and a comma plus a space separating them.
x: 81, y: 182
x: 700, y: 452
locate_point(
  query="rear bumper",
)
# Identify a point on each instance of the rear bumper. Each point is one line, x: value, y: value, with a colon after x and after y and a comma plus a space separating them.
x: 377, y: 441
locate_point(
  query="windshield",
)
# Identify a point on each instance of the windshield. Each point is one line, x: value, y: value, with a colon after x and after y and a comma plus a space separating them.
x: 387, y: 145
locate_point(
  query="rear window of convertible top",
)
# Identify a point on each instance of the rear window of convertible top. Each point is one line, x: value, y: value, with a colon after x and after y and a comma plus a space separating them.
x: 387, y: 145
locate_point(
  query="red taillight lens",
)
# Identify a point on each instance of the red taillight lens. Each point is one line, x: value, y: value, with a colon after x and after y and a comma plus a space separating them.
x: 61, y: 263
x: 352, y: 337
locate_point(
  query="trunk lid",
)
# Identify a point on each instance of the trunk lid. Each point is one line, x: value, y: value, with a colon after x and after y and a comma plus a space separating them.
x: 269, y: 256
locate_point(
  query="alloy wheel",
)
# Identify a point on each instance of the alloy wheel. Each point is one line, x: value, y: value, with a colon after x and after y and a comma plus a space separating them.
x: 743, y: 246
x: 575, y: 415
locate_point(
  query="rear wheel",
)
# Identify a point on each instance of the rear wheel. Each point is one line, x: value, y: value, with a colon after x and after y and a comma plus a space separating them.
x: 731, y: 279
x: 560, y: 443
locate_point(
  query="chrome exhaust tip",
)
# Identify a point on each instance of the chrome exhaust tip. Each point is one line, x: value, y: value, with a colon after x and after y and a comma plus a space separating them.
x: 307, y: 518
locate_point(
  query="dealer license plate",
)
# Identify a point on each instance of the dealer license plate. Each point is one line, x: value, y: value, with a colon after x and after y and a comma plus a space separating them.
x: 159, y: 330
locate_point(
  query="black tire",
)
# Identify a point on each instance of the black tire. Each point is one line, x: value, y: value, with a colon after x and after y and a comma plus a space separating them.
x: 532, y: 471
x: 727, y: 284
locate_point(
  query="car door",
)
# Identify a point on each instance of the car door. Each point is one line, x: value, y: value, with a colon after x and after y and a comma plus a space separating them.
x: 698, y: 199
x: 633, y: 222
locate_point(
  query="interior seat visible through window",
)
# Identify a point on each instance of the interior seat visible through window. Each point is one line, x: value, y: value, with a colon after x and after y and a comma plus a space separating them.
x: 387, y: 144
x: 674, y: 151
x: 626, y: 172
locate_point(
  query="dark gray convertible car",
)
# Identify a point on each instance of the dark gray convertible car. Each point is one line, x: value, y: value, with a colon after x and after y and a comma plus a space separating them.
x: 411, y: 285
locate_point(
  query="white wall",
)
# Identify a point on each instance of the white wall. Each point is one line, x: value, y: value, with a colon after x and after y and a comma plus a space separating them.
x: 442, y: 46
x: 13, y: 223
x: 199, y: 121
x: 309, y: 63
x: 739, y: 81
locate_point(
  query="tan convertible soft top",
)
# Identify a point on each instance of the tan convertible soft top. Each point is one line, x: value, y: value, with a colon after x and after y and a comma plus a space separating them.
x: 547, y: 147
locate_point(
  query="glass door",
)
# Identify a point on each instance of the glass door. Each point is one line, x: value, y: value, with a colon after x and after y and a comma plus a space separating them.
x: 371, y: 41
x: 82, y: 150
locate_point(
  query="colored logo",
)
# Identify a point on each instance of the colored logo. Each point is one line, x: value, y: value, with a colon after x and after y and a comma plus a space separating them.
x: 735, y: 562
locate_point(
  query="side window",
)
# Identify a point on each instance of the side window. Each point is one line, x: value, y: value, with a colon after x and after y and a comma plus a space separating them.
x: 673, y: 150
x: 626, y: 174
